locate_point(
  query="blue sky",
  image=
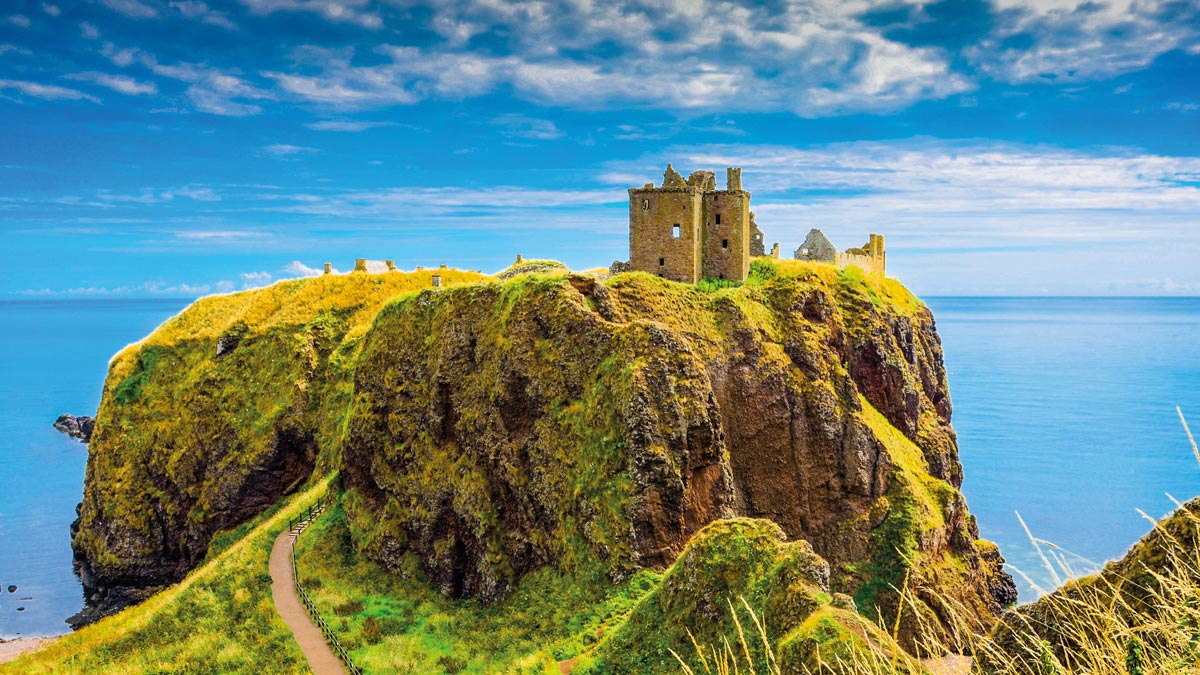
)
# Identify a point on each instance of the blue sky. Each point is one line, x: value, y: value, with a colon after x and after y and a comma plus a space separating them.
x: 179, y: 147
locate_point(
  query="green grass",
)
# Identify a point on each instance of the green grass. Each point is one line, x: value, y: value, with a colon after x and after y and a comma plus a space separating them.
x: 398, y: 623
x: 219, y: 620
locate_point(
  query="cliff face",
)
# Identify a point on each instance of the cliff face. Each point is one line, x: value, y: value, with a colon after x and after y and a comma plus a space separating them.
x: 486, y: 430
x: 551, y: 420
x: 212, y: 418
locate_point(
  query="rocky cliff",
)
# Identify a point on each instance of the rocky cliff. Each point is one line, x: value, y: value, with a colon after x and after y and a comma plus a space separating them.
x: 556, y: 420
x: 213, y: 417
x: 488, y: 429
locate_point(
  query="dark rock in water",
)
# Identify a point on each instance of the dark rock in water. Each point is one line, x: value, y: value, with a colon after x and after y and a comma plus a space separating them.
x: 76, y: 427
x: 20, y: 609
x: 12, y: 588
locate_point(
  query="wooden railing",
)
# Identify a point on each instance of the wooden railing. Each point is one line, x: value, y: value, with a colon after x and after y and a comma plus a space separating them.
x: 297, y: 525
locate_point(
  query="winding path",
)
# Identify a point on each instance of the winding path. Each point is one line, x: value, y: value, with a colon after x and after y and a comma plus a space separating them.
x: 283, y: 589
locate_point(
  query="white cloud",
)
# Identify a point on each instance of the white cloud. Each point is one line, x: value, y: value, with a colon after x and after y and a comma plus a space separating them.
x: 196, y: 9
x: 52, y: 10
x: 286, y: 150
x: 255, y: 279
x: 811, y: 59
x: 210, y: 90
x: 521, y: 126
x: 89, y: 31
x: 299, y: 269
x: 344, y: 11
x: 154, y: 288
x: 1074, y: 40
x: 117, y: 83
x: 20, y: 20
x: 48, y: 92
x: 152, y: 196
x: 134, y: 9
x: 6, y: 48
x: 119, y: 57
x: 345, y: 125
x: 217, y: 235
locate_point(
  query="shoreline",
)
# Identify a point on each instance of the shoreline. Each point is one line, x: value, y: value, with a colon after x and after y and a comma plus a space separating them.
x: 16, y: 647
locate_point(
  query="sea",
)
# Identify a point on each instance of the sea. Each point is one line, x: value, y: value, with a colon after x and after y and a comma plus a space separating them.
x: 1065, y: 410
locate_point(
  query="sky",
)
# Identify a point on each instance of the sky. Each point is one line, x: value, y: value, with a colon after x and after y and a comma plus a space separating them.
x: 184, y: 147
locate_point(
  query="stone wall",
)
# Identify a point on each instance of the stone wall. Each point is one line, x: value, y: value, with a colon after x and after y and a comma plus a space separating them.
x: 726, y: 235
x: 871, y: 258
x: 665, y: 232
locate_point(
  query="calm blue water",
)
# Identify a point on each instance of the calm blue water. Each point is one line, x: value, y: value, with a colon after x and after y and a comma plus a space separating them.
x: 1065, y: 410
x: 53, y: 357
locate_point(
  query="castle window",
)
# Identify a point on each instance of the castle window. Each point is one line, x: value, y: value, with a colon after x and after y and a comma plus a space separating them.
x: 724, y: 243
x: 718, y: 219
x: 662, y: 261
x: 676, y: 230
x: 645, y: 204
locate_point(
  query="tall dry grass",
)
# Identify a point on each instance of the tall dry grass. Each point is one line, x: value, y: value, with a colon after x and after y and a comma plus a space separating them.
x: 1139, y: 616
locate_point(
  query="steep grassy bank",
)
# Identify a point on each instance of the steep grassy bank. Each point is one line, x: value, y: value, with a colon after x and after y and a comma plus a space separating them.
x: 219, y: 619
x: 402, y: 624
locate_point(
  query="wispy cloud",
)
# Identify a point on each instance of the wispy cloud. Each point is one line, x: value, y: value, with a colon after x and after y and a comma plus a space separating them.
x: 134, y: 9
x: 6, y: 48
x: 196, y: 9
x: 342, y: 11
x: 1074, y: 40
x: 522, y: 126
x: 50, y: 9
x: 89, y: 30
x: 809, y: 59
x: 48, y: 92
x: 346, y: 125
x: 299, y: 269
x: 210, y: 90
x: 148, y: 288
x: 117, y: 83
x: 19, y: 20
x: 287, y: 150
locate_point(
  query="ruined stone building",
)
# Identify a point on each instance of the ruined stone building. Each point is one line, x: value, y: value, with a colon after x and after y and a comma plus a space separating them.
x: 688, y: 230
x: 871, y: 257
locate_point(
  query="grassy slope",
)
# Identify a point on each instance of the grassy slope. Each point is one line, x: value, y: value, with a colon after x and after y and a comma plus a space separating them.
x: 401, y: 624
x: 220, y: 619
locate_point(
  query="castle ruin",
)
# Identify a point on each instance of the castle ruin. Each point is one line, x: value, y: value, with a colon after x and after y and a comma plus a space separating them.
x: 871, y: 257
x: 688, y: 230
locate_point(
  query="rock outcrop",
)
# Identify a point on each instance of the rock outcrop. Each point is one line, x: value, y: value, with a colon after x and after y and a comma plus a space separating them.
x: 79, y: 428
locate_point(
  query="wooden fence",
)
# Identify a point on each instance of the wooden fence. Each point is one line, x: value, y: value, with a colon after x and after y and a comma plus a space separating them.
x: 297, y: 525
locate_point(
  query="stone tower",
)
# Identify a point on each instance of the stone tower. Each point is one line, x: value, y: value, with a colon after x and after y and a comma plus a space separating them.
x: 688, y: 230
